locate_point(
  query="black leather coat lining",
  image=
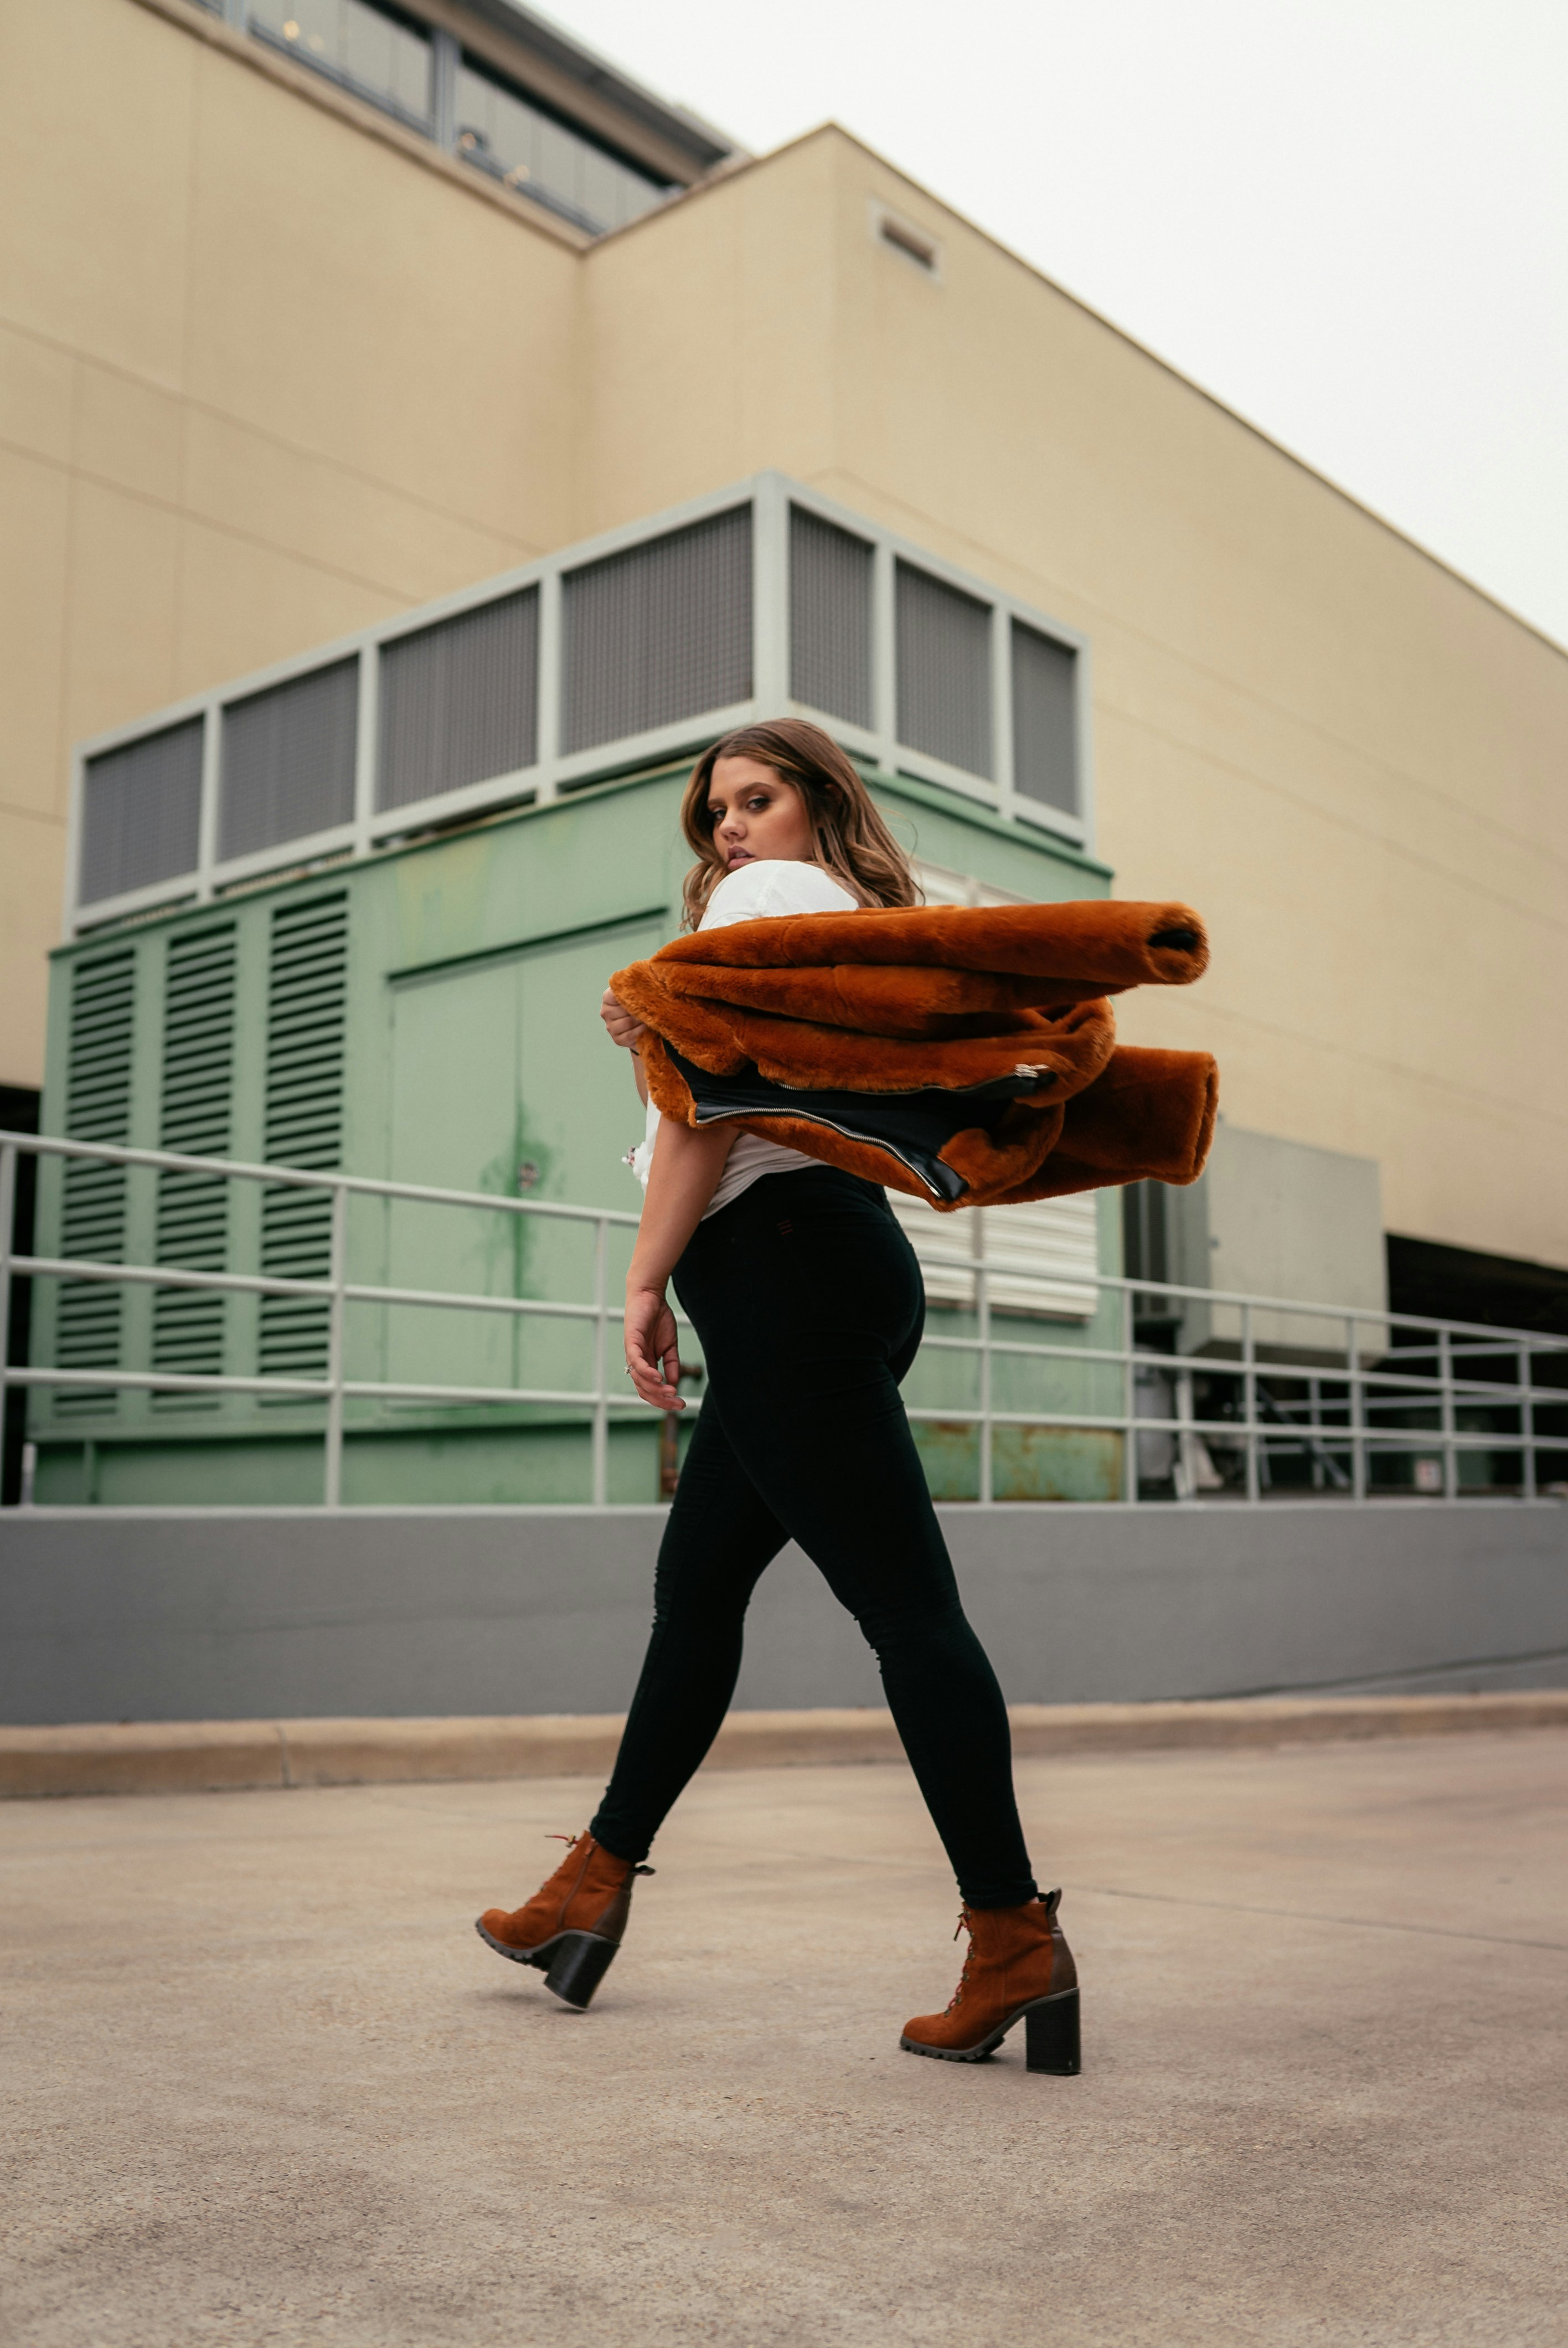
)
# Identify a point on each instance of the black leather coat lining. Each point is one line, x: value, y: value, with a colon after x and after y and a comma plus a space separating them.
x: 914, y: 1128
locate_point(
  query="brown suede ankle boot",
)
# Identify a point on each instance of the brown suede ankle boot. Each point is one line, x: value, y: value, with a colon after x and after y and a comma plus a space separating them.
x: 1019, y: 1968
x: 572, y: 1926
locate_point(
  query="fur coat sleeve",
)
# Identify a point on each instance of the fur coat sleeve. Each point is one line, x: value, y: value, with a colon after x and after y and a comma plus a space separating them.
x: 965, y: 1054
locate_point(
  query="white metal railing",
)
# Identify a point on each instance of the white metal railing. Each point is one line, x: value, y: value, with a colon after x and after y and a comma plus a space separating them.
x: 1335, y: 1430
x: 339, y: 1291
x: 1333, y: 1423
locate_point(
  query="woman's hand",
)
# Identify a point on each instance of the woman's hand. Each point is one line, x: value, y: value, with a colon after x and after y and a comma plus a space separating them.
x: 683, y: 1176
x: 650, y: 1347
x: 624, y: 1029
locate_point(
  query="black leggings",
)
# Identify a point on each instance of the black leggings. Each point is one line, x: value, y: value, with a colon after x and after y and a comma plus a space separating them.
x: 809, y: 1304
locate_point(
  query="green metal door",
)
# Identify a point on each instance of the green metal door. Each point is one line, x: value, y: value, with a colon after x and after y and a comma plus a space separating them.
x: 503, y: 1080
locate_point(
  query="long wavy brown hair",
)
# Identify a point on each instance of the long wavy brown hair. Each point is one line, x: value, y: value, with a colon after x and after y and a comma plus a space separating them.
x: 851, y: 840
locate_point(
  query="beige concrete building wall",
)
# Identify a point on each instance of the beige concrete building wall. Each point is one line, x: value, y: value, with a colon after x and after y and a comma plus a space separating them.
x: 265, y: 375
x: 270, y: 368
x: 1349, y: 760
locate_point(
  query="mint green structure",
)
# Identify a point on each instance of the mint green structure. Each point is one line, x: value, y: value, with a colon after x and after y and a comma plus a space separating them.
x: 430, y: 1015
x: 356, y: 913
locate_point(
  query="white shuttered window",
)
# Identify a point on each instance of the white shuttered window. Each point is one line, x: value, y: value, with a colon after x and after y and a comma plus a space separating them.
x: 1042, y: 1258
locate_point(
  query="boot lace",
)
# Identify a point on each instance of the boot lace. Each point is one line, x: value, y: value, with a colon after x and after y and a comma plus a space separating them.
x: 957, y: 1997
x: 572, y: 1842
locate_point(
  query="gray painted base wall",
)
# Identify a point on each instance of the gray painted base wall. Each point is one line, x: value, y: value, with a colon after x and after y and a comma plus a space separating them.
x: 203, y: 1615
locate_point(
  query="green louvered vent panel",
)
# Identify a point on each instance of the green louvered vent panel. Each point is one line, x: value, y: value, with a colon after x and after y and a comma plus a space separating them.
x: 93, y: 1218
x: 305, y: 1006
x: 188, y: 1326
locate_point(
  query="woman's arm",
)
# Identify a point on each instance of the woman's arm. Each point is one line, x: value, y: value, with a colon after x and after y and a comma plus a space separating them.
x: 625, y: 1031
x: 687, y: 1163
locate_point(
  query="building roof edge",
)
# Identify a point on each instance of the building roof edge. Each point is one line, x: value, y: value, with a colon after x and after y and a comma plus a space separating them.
x: 1167, y: 366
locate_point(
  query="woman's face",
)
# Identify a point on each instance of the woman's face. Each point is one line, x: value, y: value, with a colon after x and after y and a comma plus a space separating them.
x: 756, y: 815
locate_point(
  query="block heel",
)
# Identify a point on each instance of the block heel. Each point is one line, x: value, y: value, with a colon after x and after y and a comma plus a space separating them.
x: 578, y: 1965
x: 1019, y: 1969
x: 573, y: 1925
x: 1050, y: 2035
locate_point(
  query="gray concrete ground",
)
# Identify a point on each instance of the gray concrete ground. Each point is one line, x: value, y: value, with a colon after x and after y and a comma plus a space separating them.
x: 266, y: 2085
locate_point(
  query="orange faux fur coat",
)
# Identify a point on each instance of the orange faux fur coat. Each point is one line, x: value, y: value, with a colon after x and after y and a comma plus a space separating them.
x: 964, y: 1054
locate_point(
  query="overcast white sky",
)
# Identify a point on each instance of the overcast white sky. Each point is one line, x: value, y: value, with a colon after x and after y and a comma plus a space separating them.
x: 1349, y: 219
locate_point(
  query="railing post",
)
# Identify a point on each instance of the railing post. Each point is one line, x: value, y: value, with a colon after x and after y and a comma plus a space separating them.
x: 1129, y: 1404
x: 601, y: 1364
x: 1249, y: 1401
x: 337, y: 1312
x: 1186, y: 1476
x: 1358, y: 1409
x: 983, y: 1303
x: 1446, y: 1372
x: 7, y: 1217
x: 1526, y: 1423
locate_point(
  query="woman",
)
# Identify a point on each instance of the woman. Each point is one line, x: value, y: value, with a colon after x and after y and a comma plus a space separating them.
x: 809, y: 1304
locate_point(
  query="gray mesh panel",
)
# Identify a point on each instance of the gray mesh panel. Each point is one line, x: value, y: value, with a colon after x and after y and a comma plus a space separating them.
x: 660, y: 633
x: 944, y: 671
x: 1044, y: 719
x: 141, y: 813
x: 287, y: 767
x: 460, y: 702
x: 829, y: 618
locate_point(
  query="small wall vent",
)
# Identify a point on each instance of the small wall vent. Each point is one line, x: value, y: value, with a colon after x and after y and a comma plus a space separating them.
x: 909, y: 242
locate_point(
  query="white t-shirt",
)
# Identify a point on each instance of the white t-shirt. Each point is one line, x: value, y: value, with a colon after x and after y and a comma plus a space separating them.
x: 755, y: 891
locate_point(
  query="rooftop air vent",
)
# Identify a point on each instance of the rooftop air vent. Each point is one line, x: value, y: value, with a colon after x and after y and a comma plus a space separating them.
x: 603, y: 660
